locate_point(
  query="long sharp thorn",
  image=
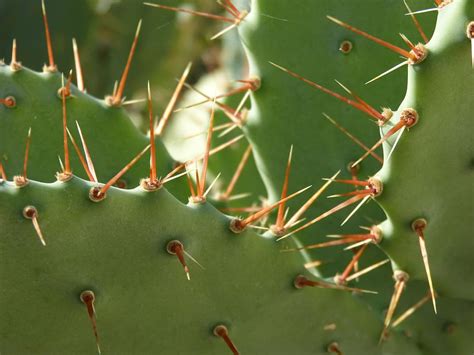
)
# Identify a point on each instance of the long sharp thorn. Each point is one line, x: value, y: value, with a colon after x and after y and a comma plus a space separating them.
x: 387, y: 72
x: 198, y: 181
x: 225, y: 145
x: 351, y: 193
x: 127, y: 167
x: 387, y: 135
x: 257, y: 227
x: 212, y: 152
x: 356, y: 245
x: 395, y: 143
x: 417, y: 24
x: 117, y: 98
x: 361, y: 203
x: 344, y: 99
x: 280, y: 222
x: 232, y: 7
x: 345, y: 240
x: 407, y: 41
x: 38, y: 230
x: 248, y: 85
x: 164, y: 181
x: 400, y: 284
x: 351, y: 236
x: 90, y: 164
x: 88, y: 298
x: 176, y: 248
x: 61, y: 165
x: 228, y: 130
x: 152, y: 137
x: 132, y: 102
x: 472, y: 52
x: 423, y: 11
x: 27, y: 151
x: 239, y: 196
x: 302, y: 281
x: 193, y: 259
x: 211, y: 185
x: 114, y: 91
x: 311, y: 200
x: 419, y: 226
x: 227, y: 8
x: 266, y: 210
x: 190, y: 184
x: 224, y: 31
x: 67, y: 162
x: 52, y: 65
x: 313, y: 264
x: 14, y: 64
x: 352, y: 182
x: 369, y: 109
x: 222, y: 126
x: 352, y: 263
x: 202, y: 102
x: 411, y: 310
x: 14, y: 60
x: 192, y: 12
x: 68, y: 83
x: 340, y: 206
x: 366, y: 270
x: 174, y: 99
x: 30, y: 212
x: 222, y: 332
x: 81, y: 158
x: 77, y: 63
x: 205, y: 162
x: 353, y: 138
x: 172, y: 173
x: 383, y: 43
x: 237, y: 173
x: 242, y: 103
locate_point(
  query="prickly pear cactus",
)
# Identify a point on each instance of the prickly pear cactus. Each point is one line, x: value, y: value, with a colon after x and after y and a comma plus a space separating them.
x: 88, y: 267
x: 38, y: 106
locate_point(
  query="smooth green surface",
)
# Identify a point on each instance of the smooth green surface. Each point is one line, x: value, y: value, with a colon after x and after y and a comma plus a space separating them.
x: 430, y: 173
x: 144, y: 303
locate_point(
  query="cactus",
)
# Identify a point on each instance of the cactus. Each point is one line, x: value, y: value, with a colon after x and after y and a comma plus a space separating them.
x: 136, y: 271
x: 102, y: 31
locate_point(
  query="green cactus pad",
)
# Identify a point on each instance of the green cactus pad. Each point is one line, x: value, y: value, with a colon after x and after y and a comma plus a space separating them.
x: 429, y: 174
x: 110, y: 135
x: 144, y: 303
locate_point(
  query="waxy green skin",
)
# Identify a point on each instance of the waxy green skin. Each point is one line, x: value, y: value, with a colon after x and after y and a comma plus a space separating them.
x: 427, y: 176
x: 430, y: 172
x: 110, y: 135
x: 145, y: 304
x: 286, y: 111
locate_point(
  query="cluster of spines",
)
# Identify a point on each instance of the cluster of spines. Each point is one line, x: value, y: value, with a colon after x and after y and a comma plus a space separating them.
x: 371, y: 188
